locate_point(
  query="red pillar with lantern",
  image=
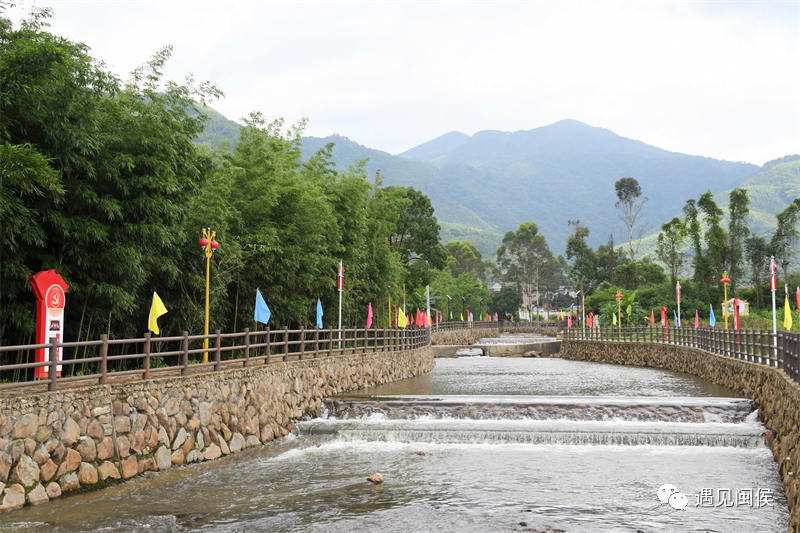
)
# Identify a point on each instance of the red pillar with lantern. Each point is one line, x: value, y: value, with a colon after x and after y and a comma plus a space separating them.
x: 49, y: 288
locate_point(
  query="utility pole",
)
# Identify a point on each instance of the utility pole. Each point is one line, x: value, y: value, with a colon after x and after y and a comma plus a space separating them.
x: 785, y: 263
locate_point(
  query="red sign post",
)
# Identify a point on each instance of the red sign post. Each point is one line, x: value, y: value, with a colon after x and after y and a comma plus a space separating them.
x: 49, y: 289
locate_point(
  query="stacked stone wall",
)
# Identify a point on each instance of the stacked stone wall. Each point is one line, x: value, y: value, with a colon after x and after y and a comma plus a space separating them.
x: 777, y: 396
x: 84, y: 438
x: 461, y: 336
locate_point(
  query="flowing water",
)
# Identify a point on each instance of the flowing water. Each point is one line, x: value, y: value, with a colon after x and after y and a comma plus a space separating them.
x: 479, y: 444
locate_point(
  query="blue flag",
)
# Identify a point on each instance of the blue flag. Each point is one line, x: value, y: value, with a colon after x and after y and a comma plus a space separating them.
x: 711, y: 320
x: 319, y: 314
x: 262, y: 310
x: 675, y: 314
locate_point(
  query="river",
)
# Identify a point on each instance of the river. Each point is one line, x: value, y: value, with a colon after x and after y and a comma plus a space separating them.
x: 479, y: 444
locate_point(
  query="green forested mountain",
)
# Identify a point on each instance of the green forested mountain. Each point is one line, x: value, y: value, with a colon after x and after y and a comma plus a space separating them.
x: 490, y: 182
x: 486, y: 184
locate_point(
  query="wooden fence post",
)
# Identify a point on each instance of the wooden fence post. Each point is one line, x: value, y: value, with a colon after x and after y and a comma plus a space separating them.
x: 285, y: 344
x: 269, y: 348
x: 246, y: 347
x: 147, y: 355
x: 185, y: 354
x: 316, y: 342
x: 217, y: 350
x: 302, y: 341
x: 52, y: 358
x: 104, y: 359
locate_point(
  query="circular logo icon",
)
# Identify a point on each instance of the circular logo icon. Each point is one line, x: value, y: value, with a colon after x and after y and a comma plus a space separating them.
x: 54, y: 300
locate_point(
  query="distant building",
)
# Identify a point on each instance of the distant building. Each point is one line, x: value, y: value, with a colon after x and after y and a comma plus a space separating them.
x: 495, y: 287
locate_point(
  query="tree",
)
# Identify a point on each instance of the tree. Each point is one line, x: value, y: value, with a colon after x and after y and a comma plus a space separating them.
x: 416, y: 236
x: 717, y: 250
x: 785, y: 237
x: 612, y: 261
x: 691, y: 223
x: 525, y: 257
x: 466, y: 258
x: 670, y: 242
x: 506, y: 302
x: 630, y: 203
x: 757, y: 252
x: 584, y: 267
x: 739, y: 210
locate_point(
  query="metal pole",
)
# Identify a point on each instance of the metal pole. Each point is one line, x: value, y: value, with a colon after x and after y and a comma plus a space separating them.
x: 341, y: 285
x: 774, y: 285
x: 583, y: 305
x: 205, y: 330
x: 428, y: 298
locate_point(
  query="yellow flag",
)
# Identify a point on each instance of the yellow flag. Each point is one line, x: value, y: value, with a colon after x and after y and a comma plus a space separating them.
x: 462, y: 317
x: 156, y: 310
x: 402, y: 321
x: 428, y: 315
x: 787, y: 316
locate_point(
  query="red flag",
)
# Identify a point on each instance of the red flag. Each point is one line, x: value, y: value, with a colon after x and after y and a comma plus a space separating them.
x: 420, y: 321
x: 652, y: 317
x: 410, y: 320
x: 773, y: 271
x: 798, y: 299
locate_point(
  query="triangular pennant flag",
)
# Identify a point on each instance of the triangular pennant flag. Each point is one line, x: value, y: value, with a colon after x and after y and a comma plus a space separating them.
x: 614, y: 319
x: 319, y: 313
x: 262, y: 313
x: 402, y: 321
x: 652, y: 317
x: 369, y: 316
x: 787, y: 315
x: 696, y: 319
x: 675, y: 315
x: 156, y: 310
x: 712, y: 320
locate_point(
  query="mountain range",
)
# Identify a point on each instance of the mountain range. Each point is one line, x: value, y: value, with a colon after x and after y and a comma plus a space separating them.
x: 485, y: 184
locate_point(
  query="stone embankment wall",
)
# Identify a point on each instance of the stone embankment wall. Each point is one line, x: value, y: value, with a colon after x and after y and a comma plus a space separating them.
x: 549, y: 331
x: 777, y: 397
x: 461, y: 336
x: 82, y: 438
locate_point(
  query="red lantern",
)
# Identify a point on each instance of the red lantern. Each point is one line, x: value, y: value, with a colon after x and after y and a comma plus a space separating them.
x: 203, y: 242
x: 214, y: 244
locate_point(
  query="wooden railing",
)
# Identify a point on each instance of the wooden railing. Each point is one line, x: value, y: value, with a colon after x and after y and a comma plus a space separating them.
x: 151, y: 356
x: 757, y: 346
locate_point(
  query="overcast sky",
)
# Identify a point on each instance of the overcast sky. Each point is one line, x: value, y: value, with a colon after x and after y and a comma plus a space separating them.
x: 705, y: 78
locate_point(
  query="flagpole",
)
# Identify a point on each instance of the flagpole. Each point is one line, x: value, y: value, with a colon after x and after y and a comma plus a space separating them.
x: 208, y: 244
x: 774, y: 284
x: 341, y: 286
x: 678, y: 289
x: 428, y: 298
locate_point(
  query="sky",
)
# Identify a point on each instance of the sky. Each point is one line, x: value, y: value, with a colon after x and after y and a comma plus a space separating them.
x: 717, y: 79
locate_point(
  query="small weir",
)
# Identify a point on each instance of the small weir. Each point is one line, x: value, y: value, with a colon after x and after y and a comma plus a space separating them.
x: 479, y: 444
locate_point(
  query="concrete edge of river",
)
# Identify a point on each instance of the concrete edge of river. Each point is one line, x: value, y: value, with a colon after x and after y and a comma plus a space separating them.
x: 87, y: 438
x: 777, y: 397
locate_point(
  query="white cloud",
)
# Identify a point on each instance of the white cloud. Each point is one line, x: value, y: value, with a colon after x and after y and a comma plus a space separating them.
x: 720, y: 80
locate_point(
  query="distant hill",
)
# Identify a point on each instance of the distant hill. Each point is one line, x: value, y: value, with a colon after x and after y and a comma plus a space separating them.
x: 493, y: 180
x: 486, y: 184
x: 771, y: 190
x: 219, y: 129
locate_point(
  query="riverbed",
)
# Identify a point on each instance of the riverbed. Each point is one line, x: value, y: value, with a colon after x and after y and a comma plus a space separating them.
x: 479, y: 444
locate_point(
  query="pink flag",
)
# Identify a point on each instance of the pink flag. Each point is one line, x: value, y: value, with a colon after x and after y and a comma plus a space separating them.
x: 569, y: 321
x: 696, y: 319
x: 369, y: 316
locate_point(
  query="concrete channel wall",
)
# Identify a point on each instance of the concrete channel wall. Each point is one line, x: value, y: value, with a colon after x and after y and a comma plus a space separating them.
x: 777, y: 397
x: 84, y: 438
